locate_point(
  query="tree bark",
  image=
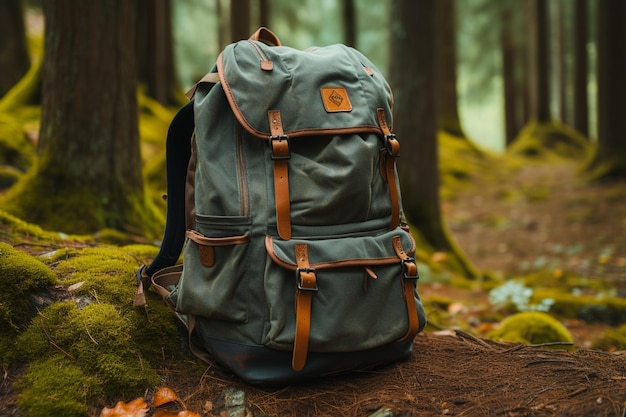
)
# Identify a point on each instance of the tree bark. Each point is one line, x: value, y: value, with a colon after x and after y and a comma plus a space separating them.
x: 156, y: 51
x: 542, y: 68
x: 14, y: 58
x: 413, y: 77
x: 88, y: 175
x: 449, y: 120
x: 581, y: 70
x: 349, y: 23
x: 239, y: 20
x: 511, y: 125
x: 610, y: 158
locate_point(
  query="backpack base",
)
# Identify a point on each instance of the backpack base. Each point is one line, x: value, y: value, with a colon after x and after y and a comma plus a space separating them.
x: 260, y: 365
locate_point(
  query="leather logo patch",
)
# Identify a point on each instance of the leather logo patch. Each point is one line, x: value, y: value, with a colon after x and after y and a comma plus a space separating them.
x: 335, y: 99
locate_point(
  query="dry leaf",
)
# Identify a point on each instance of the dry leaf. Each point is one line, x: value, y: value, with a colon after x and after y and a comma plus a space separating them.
x: 136, y: 408
x: 165, y: 395
x: 184, y: 413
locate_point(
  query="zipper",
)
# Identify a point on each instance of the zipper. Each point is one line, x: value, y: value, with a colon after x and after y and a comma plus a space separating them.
x: 242, y: 174
x: 266, y: 64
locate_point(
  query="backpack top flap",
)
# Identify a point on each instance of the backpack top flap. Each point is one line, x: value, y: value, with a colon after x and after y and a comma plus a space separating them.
x: 324, y: 90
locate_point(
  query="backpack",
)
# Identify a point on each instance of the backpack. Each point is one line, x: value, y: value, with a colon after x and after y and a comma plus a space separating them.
x: 282, y: 188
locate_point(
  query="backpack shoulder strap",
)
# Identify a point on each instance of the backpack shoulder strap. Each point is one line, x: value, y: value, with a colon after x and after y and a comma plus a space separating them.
x: 178, y: 153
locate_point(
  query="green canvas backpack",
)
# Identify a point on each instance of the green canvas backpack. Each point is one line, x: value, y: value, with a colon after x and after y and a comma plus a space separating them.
x: 283, y: 191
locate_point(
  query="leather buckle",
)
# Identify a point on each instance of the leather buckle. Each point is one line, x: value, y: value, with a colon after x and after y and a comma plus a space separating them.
x: 305, y: 285
x: 392, y: 146
x: 409, y: 269
x: 278, y: 150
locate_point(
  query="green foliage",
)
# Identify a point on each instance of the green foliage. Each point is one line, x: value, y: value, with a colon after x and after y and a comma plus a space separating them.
x: 532, y: 327
x: 56, y: 387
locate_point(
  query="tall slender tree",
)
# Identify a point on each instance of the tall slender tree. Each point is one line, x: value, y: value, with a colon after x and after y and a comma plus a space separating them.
x: 14, y: 58
x: 610, y: 157
x: 155, y: 48
x: 581, y: 68
x: 541, y: 63
x: 239, y: 19
x: 88, y: 174
x: 449, y: 120
x: 349, y: 23
x: 413, y: 78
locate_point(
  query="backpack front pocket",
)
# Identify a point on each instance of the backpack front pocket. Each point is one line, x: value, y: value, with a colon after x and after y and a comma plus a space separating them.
x: 214, y: 283
x: 361, y: 290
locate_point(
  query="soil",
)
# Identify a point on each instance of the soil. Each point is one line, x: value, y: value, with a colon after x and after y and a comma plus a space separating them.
x: 541, y: 217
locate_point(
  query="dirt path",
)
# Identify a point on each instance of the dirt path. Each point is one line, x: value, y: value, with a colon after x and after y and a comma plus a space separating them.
x: 544, y: 217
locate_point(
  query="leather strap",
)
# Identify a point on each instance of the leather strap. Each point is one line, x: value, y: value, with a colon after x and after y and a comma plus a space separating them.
x: 306, y: 284
x: 392, y: 149
x: 409, y: 276
x: 266, y: 36
x: 280, y: 155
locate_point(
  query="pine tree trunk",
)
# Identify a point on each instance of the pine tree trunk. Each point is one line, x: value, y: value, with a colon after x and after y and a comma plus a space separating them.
x: 449, y: 120
x: 88, y: 176
x: 413, y: 77
x: 581, y: 103
x: 155, y: 50
x: 239, y: 20
x: 542, y: 93
x: 14, y: 58
x: 610, y: 159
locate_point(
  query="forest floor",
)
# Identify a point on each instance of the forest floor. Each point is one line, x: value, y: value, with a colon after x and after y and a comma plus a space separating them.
x: 541, y: 217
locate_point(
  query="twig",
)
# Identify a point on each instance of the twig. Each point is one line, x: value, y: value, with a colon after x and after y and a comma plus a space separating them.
x: 43, y: 327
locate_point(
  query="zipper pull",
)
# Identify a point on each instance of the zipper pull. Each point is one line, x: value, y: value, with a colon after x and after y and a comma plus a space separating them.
x: 266, y: 64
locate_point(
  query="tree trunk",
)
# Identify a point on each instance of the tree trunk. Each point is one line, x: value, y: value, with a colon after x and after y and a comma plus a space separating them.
x: 349, y: 23
x: 610, y: 158
x: 239, y: 20
x: 563, y: 70
x: 581, y: 103
x: 542, y: 62
x: 156, y: 51
x: 264, y: 13
x: 511, y: 99
x: 449, y: 120
x: 88, y: 175
x: 412, y: 77
x: 14, y: 58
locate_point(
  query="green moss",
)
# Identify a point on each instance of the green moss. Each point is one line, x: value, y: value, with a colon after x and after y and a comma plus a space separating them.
x: 107, y: 275
x: 460, y: 161
x: 137, y: 214
x: 98, y: 340
x: 611, y: 340
x: 15, y: 150
x: 531, y: 327
x: 26, y: 91
x: 20, y: 276
x: 547, y: 141
x: 610, y: 310
x: 56, y: 387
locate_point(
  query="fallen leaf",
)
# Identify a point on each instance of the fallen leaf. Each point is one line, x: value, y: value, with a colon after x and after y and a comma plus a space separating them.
x: 439, y: 257
x: 136, y: 408
x: 165, y: 395
x: 184, y: 413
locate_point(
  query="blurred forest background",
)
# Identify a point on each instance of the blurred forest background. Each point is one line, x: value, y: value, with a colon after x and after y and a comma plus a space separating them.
x: 510, y: 114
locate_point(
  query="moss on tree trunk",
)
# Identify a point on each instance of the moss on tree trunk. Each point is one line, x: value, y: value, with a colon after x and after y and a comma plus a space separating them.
x: 88, y: 175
